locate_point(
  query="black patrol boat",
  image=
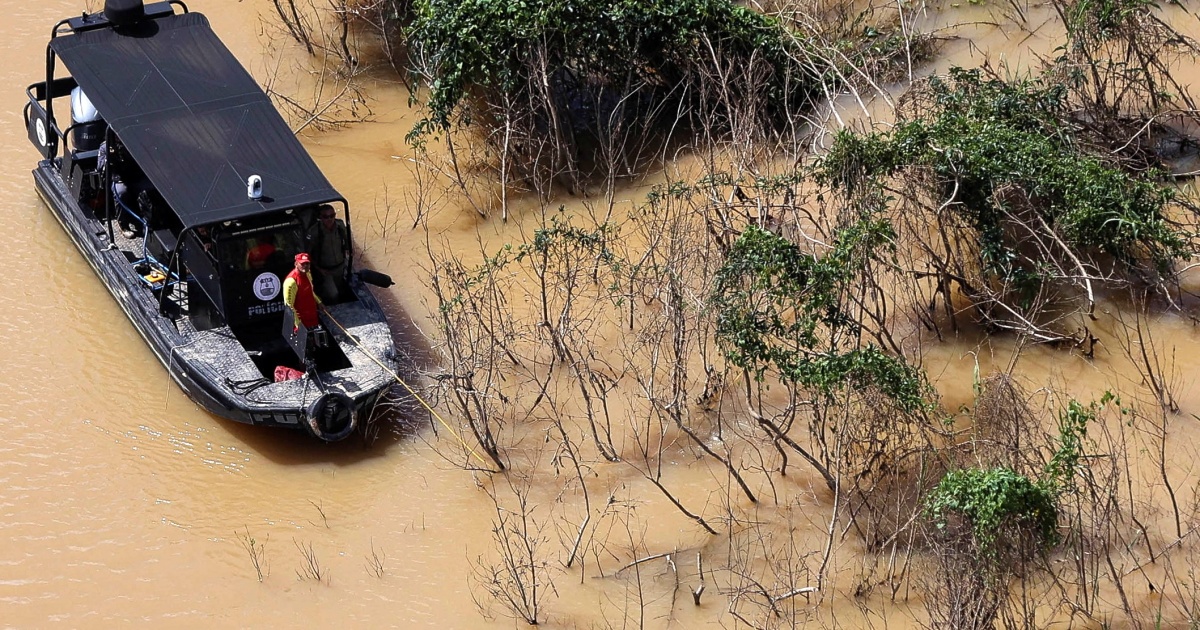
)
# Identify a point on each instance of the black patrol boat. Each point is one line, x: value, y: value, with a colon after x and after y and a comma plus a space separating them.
x: 189, y: 195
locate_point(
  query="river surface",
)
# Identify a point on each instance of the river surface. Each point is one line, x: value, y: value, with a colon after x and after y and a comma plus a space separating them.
x: 122, y: 499
x: 123, y: 504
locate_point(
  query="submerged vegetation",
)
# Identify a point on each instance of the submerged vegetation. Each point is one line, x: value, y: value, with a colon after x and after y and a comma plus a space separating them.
x: 992, y: 499
x: 781, y: 309
x: 592, y: 54
x: 768, y: 308
x: 998, y: 150
x: 1021, y: 203
x: 565, y: 91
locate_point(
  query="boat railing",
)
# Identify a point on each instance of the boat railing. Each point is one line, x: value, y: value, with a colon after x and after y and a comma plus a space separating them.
x: 160, y: 275
x: 43, y: 129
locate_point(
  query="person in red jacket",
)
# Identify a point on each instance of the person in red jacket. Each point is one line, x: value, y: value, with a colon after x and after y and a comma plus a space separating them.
x: 298, y: 293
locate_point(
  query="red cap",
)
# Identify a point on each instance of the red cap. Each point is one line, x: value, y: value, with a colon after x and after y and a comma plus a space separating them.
x: 302, y: 258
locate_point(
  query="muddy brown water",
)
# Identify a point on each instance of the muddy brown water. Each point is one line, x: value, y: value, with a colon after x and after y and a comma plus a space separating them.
x: 121, y: 502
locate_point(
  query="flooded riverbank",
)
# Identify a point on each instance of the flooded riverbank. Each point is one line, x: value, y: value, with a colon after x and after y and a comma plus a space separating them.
x: 122, y: 503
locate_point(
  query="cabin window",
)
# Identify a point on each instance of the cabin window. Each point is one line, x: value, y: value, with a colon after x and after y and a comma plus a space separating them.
x: 260, y: 250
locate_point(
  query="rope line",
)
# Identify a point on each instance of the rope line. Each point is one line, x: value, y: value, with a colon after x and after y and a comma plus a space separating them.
x: 411, y: 391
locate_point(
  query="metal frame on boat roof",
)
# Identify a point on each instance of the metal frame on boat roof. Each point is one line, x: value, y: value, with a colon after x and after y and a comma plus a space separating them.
x: 192, y: 118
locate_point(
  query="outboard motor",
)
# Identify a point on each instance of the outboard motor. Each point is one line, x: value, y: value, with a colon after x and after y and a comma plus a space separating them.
x: 124, y: 12
x: 89, y: 127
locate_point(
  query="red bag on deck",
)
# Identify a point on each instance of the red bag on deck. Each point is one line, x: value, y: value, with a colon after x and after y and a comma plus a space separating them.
x: 285, y: 373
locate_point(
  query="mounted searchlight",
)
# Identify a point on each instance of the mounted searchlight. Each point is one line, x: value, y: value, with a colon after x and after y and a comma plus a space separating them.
x: 254, y: 187
x: 124, y: 12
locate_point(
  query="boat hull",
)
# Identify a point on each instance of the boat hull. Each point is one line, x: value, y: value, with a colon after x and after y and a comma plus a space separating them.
x: 210, y: 366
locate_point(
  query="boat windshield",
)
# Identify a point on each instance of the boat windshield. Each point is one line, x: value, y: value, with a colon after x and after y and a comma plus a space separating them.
x: 253, y: 263
x: 270, y: 248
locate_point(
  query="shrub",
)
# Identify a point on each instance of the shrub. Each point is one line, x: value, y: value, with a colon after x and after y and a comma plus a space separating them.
x: 497, y: 46
x: 1004, y: 152
x: 991, y: 500
x: 783, y: 309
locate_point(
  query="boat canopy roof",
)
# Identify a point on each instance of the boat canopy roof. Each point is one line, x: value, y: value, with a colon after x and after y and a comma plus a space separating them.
x: 193, y: 118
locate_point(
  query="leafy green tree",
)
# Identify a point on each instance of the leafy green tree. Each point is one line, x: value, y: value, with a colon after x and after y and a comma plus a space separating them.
x: 1007, y: 204
x: 999, y: 148
x: 782, y: 309
x: 497, y: 46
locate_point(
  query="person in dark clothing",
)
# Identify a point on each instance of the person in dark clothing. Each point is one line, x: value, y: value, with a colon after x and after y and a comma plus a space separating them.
x: 329, y: 242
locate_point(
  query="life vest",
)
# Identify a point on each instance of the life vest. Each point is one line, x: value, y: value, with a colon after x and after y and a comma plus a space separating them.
x: 258, y: 255
x: 305, y: 303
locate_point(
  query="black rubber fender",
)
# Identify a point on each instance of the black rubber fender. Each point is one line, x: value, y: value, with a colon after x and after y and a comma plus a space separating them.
x: 331, y: 417
x: 376, y: 278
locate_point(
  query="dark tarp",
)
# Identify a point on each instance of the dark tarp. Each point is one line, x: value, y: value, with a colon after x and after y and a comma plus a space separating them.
x: 193, y: 118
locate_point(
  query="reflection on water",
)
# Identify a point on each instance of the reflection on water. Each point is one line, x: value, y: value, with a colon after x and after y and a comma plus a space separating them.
x: 121, y: 503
